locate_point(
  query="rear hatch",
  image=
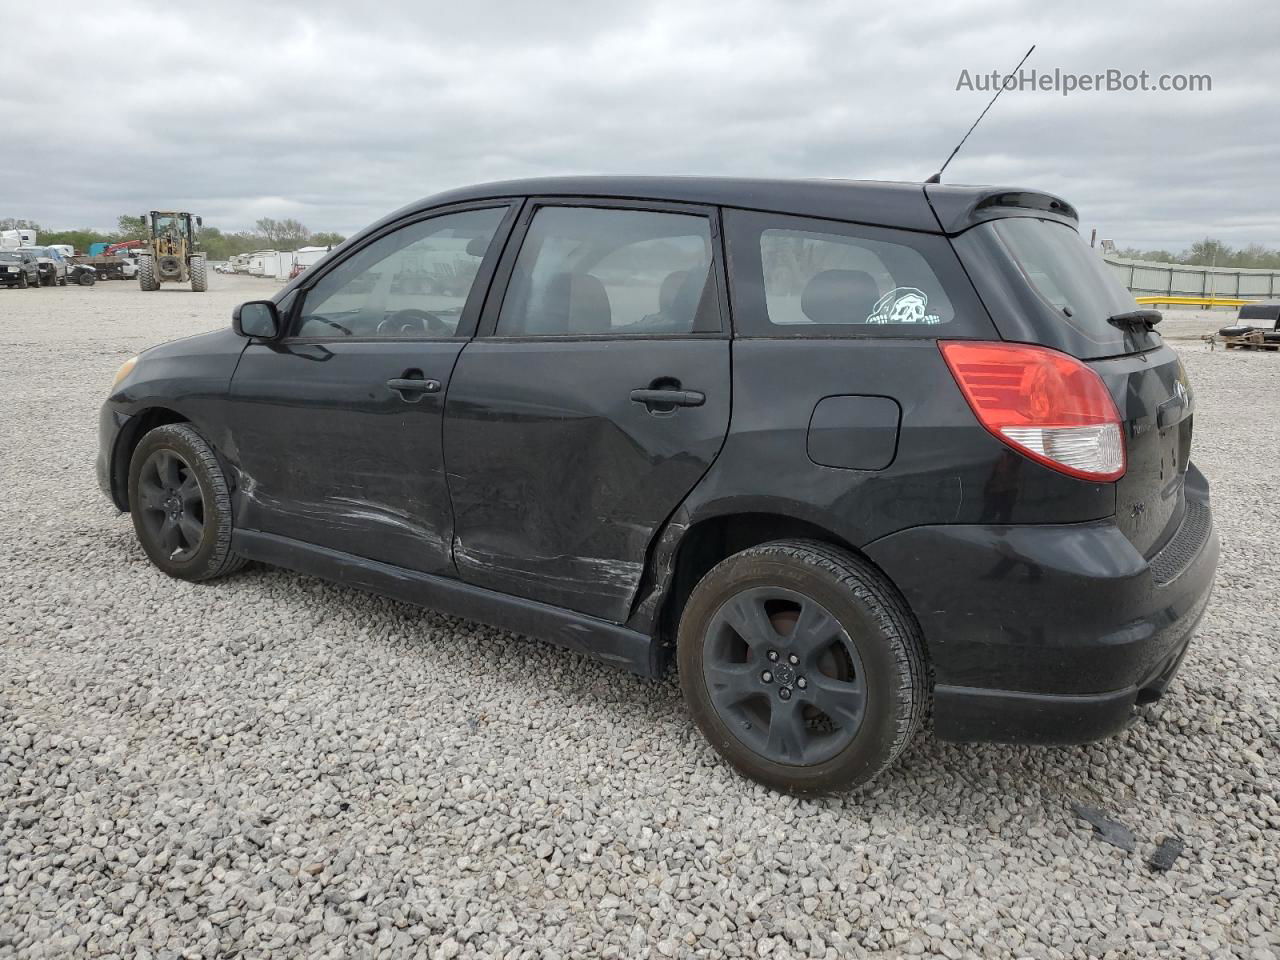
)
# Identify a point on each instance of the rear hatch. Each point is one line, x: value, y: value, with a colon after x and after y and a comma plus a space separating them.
x: 1042, y: 284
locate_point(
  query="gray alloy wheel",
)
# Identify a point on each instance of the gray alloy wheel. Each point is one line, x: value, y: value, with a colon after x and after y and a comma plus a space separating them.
x: 785, y: 675
x: 802, y: 666
x: 180, y: 503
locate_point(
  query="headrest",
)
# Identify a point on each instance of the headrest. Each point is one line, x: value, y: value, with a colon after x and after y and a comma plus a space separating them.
x: 839, y: 296
x: 582, y: 301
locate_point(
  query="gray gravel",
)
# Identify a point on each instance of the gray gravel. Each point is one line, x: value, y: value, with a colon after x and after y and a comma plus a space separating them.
x: 273, y: 766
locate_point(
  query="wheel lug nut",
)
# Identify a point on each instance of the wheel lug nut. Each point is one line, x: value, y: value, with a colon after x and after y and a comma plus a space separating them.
x: 767, y: 677
x: 785, y: 693
x: 801, y: 682
x: 773, y: 655
x: 794, y: 659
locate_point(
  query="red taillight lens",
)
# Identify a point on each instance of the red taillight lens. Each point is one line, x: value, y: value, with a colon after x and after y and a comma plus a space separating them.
x: 1042, y: 403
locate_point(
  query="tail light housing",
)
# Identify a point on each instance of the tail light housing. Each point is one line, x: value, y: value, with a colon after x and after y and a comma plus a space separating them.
x: 1045, y: 404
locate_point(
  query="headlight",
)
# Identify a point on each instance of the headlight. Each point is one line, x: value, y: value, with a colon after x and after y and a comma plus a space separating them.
x: 125, y: 369
x: 14, y: 269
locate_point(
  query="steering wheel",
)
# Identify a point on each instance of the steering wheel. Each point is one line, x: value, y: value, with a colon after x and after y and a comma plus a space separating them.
x: 410, y: 321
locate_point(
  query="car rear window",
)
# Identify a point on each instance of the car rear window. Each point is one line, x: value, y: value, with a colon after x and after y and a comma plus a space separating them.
x: 1065, y: 273
x: 802, y: 277
x: 1041, y: 283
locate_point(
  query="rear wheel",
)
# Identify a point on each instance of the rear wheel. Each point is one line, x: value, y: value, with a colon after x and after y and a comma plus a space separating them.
x: 199, y: 274
x: 802, y: 666
x: 87, y: 278
x: 180, y: 503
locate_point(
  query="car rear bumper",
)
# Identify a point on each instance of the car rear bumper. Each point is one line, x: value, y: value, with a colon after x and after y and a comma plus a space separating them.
x: 1051, y: 633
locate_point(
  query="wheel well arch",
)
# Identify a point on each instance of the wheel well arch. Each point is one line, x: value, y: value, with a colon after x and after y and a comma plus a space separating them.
x: 711, y: 540
x: 137, y: 427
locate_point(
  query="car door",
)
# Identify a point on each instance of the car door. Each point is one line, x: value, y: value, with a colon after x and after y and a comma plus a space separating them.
x: 337, y: 425
x: 594, y: 400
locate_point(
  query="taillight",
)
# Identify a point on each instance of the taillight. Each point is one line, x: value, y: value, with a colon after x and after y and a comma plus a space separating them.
x: 1042, y: 403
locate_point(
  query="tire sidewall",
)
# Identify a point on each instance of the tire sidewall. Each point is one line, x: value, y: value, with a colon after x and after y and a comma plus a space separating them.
x: 872, y: 748
x: 206, y: 560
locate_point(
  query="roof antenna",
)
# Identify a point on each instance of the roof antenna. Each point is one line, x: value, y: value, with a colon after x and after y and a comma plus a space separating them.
x: 937, y: 177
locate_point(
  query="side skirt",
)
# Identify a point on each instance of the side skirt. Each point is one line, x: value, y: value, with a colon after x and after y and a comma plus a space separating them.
x: 605, y: 641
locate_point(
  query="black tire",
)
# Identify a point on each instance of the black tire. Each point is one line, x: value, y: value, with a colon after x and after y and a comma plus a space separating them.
x: 199, y: 274
x: 147, y: 274
x: 164, y: 508
x: 62, y: 280
x: 23, y: 282
x: 87, y: 279
x: 874, y: 642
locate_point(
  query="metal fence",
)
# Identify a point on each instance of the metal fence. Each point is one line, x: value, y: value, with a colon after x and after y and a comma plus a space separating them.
x: 1146, y: 278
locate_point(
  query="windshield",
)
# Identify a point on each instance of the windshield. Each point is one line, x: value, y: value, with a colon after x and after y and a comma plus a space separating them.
x: 11, y: 257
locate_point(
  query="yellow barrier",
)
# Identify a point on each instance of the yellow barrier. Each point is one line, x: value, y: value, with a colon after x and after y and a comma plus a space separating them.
x: 1197, y: 301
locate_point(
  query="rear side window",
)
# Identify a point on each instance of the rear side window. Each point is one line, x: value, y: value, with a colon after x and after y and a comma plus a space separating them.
x: 588, y: 271
x: 817, y: 278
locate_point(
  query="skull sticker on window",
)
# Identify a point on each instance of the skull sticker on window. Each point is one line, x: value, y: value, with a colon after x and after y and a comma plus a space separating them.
x: 903, y: 305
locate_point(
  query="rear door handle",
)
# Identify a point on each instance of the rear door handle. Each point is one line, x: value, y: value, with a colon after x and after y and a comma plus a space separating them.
x: 411, y: 389
x: 679, y: 398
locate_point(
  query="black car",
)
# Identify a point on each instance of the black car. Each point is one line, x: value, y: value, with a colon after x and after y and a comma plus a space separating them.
x: 846, y: 452
x: 18, y: 268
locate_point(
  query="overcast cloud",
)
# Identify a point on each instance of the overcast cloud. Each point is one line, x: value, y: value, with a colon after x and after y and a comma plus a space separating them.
x: 336, y: 113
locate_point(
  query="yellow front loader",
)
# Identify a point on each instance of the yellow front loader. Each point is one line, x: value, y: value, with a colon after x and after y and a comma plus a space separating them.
x: 170, y: 254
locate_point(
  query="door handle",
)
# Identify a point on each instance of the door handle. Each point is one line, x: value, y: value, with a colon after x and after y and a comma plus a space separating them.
x: 677, y: 398
x: 411, y: 389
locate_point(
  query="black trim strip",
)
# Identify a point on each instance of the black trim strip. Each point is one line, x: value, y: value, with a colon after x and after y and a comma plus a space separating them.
x: 605, y: 641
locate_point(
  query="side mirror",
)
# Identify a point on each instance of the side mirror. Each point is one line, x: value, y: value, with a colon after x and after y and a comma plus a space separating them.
x: 199, y: 221
x: 258, y: 319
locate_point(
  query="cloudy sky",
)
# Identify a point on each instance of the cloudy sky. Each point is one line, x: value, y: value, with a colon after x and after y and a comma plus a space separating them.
x: 335, y: 113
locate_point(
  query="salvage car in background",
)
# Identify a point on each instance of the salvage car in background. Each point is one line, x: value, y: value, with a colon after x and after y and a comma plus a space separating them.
x: 51, y: 264
x: 18, y: 268
x: 831, y: 446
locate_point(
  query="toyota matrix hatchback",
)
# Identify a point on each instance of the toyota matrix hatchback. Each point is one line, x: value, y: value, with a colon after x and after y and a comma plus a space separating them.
x: 846, y: 452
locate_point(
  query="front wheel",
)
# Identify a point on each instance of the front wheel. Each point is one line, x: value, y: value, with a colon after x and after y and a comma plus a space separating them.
x: 199, y: 275
x: 802, y: 666
x: 23, y: 282
x: 180, y: 503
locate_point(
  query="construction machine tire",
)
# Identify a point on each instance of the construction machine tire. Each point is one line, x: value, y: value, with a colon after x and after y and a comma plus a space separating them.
x: 199, y: 275
x: 147, y: 274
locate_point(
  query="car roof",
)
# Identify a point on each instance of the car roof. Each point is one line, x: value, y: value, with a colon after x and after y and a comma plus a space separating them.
x: 931, y: 208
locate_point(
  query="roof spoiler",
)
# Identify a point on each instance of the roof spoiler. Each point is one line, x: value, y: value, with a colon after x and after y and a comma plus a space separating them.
x: 959, y: 208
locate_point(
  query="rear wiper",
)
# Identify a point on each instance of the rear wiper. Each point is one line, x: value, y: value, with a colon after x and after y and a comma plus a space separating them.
x: 1140, y: 319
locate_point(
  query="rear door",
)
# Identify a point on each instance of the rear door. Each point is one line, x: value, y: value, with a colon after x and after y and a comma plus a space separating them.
x: 595, y: 398
x: 337, y: 426
x: 1044, y: 285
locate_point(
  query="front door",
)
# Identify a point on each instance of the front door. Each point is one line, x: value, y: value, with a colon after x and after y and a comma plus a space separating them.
x: 337, y: 425
x: 596, y: 397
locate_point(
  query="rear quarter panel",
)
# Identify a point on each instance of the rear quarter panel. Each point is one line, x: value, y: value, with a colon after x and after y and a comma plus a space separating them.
x: 947, y: 468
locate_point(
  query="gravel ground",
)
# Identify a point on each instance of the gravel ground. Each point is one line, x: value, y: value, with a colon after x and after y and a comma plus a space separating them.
x: 274, y: 766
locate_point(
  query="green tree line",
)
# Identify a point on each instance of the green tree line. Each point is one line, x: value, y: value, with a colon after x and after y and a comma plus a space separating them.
x: 267, y: 234
x: 1212, y: 253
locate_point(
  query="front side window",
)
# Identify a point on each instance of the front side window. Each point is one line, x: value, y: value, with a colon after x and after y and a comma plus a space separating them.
x: 588, y: 271
x: 413, y: 282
